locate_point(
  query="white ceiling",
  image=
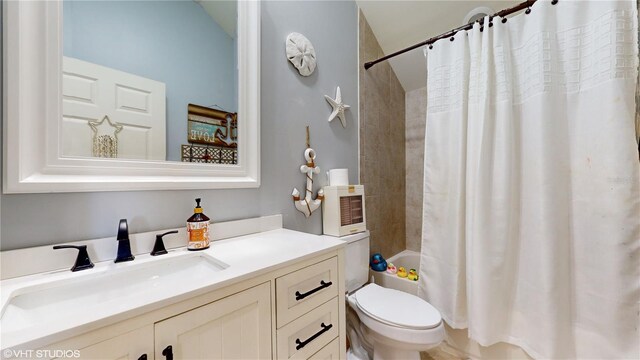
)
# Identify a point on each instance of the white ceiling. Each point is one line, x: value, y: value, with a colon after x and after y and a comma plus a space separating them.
x: 398, y: 24
x: 223, y: 12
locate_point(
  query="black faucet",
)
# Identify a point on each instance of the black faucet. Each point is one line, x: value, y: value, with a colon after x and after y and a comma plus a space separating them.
x: 124, y: 246
x: 83, y: 261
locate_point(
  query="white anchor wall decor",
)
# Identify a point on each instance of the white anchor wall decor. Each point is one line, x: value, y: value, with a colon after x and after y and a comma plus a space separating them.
x: 228, y: 138
x: 307, y: 205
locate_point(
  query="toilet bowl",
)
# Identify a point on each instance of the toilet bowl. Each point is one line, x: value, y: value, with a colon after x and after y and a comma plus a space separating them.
x: 400, y: 325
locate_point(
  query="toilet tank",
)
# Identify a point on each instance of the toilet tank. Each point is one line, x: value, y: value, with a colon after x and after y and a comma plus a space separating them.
x: 356, y: 261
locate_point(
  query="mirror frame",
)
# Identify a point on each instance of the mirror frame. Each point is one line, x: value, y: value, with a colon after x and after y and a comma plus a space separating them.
x: 32, y: 107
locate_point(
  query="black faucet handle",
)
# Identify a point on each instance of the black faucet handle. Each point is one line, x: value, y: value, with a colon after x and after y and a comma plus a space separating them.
x: 158, y: 247
x: 167, y: 233
x: 123, y: 230
x: 83, y: 261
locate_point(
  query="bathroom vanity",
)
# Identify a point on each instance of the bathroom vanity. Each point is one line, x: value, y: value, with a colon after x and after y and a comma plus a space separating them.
x: 274, y: 294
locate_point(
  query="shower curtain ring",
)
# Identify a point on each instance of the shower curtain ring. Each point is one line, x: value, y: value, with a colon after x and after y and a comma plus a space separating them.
x: 528, y: 11
x: 430, y: 46
x: 504, y: 20
x: 554, y: 2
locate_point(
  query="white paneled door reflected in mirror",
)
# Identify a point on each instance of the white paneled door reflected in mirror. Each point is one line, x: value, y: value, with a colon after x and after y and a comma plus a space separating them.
x: 150, y: 80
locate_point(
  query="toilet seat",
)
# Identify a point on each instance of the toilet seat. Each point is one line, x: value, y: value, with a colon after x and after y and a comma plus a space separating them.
x: 397, y: 308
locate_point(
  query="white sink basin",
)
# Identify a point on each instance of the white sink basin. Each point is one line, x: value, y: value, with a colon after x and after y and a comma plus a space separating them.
x: 107, y: 289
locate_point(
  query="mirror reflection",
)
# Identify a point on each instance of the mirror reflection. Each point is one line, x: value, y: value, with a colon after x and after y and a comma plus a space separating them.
x: 152, y: 80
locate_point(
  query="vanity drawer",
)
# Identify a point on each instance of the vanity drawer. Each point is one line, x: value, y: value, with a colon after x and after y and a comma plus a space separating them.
x: 330, y: 352
x: 306, y: 335
x: 300, y: 291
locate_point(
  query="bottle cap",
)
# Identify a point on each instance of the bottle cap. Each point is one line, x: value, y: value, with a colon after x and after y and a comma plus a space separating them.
x: 198, y: 209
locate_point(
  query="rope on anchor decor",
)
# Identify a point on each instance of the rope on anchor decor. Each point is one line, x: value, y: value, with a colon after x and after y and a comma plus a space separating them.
x: 308, y: 205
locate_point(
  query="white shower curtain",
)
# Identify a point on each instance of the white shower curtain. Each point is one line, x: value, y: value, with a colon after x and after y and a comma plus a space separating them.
x: 531, y: 216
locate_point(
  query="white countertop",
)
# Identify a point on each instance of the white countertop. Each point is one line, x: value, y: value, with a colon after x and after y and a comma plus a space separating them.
x: 243, y: 257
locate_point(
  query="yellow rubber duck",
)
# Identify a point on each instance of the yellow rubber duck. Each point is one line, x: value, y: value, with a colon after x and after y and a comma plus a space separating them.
x: 402, y: 272
x: 413, y: 275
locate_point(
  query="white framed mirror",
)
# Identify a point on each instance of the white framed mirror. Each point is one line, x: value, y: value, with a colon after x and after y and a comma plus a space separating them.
x: 86, y: 108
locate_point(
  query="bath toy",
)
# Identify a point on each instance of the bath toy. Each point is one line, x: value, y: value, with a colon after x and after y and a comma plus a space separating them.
x: 402, y: 272
x: 391, y: 269
x: 378, y: 263
x: 413, y: 275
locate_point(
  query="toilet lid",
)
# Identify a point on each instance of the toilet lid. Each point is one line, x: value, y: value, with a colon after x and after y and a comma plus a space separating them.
x: 397, y: 308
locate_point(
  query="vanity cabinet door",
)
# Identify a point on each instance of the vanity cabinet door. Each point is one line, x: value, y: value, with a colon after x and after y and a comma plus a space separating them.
x: 235, y: 327
x: 133, y: 345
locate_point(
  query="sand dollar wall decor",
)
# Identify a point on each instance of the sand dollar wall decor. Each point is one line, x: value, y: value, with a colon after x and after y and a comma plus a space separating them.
x: 301, y: 53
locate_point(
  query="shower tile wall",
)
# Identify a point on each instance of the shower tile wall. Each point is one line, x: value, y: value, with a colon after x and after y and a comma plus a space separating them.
x: 416, y: 111
x: 638, y: 90
x: 382, y: 147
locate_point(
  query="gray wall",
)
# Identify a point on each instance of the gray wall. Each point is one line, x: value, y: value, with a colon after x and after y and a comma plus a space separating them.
x: 289, y: 102
x: 174, y: 42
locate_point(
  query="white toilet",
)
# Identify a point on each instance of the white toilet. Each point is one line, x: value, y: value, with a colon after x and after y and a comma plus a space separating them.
x: 398, y: 324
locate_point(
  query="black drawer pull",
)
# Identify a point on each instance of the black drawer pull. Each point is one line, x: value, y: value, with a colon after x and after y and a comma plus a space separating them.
x: 143, y: 357
x: 301, y: 344
x: 310, y: 292
x: 168, y: 352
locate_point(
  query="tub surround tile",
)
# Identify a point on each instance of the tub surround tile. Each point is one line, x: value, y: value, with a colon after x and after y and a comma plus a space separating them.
x: 416, y: 112
x: 371, y: 49
x: 374, y: 185
x: 638, y: 91
x: 372, y: 203
x: 382, y: 146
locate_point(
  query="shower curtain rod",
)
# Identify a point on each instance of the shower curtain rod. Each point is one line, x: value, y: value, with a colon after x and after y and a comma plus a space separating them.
x: 525, y: 5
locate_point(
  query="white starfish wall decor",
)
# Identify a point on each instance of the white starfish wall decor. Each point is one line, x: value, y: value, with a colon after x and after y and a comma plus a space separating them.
x: 338, y: 108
